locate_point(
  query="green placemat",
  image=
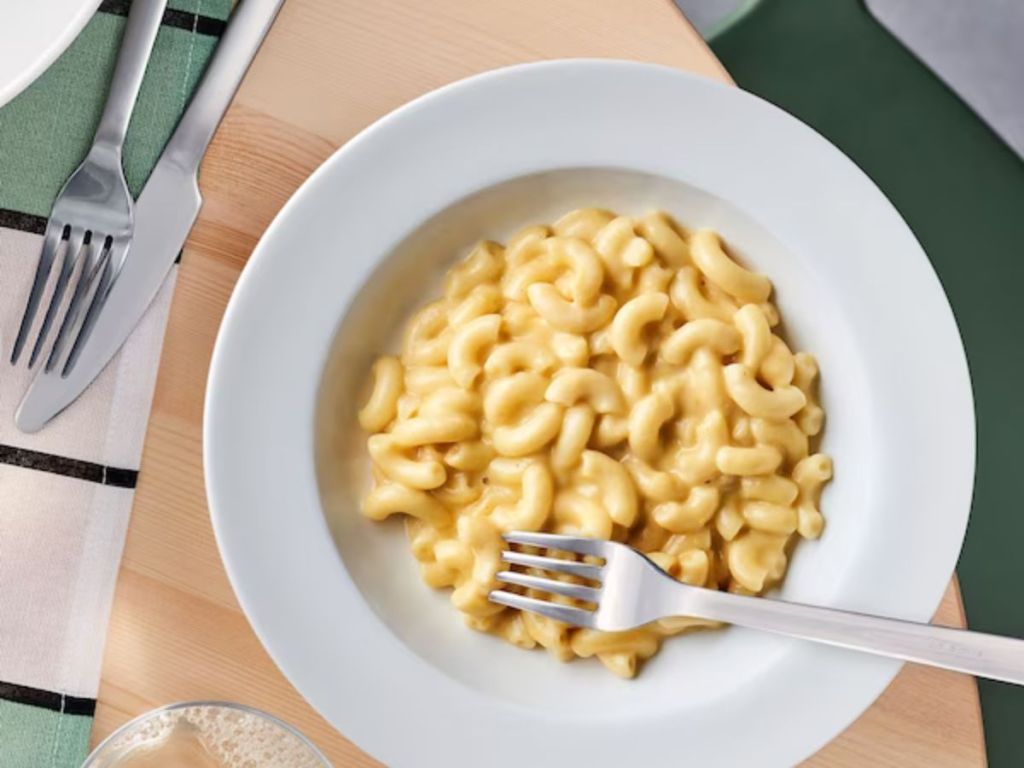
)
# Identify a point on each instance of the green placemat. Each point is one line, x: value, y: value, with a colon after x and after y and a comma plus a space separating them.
x: 961, y: 190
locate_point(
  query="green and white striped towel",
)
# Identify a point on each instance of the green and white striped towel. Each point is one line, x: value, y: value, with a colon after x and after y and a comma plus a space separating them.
x: 66, y: 492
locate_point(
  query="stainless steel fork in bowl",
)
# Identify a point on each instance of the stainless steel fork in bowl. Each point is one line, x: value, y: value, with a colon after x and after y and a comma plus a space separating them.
x: 93, y: 214
x: 628, y: 591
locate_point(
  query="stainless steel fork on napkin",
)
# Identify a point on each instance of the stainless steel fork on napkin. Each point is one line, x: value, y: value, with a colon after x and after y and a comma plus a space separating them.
x: 94, y: 209
x: 164, y: 215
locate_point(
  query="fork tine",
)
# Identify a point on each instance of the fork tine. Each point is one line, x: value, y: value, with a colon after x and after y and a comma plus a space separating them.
x: 93, y: 257
x: 583, y: 570
x: 74, y: 246
x: 557, y: 541
x: 51, y: 240
x: 566, y: 613
x: 111, y: 267
x: 564, y: 588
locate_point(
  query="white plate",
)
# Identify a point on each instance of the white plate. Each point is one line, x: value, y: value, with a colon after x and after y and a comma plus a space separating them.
x: 33, y: 34
x: 385, y: 659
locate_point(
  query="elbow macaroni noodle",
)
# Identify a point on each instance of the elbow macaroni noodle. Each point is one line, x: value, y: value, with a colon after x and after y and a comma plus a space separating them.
x: 607, y: 376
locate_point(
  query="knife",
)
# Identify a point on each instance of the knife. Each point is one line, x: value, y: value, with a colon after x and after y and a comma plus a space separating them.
x: 164, y: 215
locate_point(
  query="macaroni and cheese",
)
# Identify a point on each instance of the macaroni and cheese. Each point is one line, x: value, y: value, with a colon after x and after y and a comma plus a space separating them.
x: 607, y: 376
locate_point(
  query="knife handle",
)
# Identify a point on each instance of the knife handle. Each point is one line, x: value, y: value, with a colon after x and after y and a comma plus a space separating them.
x: 248, y: 26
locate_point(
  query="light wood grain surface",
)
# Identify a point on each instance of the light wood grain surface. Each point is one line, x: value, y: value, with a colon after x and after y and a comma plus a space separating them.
x: 328, y: 69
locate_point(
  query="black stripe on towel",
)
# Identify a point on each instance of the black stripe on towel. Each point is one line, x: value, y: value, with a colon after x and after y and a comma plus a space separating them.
x: 26, y: 222
x: 62, y: 465
x: 23, y: 222
x: 204, y: 25
x: 36, y: 697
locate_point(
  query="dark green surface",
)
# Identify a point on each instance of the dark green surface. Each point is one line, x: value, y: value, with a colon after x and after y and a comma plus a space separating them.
x: 962, y: 192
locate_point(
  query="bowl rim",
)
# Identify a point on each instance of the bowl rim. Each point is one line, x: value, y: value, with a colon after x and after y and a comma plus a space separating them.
x: 873, y: 676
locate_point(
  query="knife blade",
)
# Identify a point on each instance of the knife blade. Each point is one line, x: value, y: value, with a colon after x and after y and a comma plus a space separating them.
x: 164, y: 215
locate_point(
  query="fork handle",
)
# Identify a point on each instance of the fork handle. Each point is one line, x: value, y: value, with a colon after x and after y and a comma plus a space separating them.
x: 136, y: 45
x: 249, y: 24
x: 976, y: 653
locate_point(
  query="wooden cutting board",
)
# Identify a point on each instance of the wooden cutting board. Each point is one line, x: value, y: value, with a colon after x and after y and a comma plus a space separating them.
x: 328, y: 69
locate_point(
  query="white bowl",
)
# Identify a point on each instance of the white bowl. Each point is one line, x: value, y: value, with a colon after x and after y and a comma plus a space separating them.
x: 387, y: 660
x: 33, y: 35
